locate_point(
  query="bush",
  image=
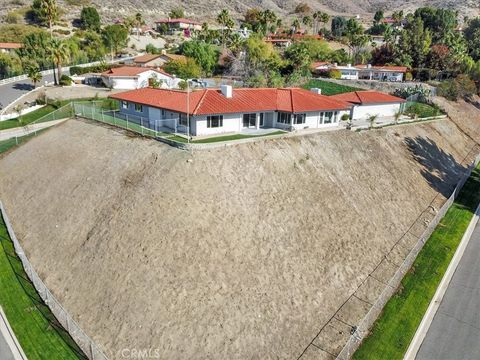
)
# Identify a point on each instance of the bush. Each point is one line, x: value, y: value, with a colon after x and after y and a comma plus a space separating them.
x: 65, y: 80
x: 345, y: 117
x: 461, y: 87
x: 334, y: 74
x: 405, y: 93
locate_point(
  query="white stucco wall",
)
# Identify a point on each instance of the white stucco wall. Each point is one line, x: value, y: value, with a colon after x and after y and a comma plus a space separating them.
x: 231, y: 123
x: 382, y: 110
x: 140, y: 81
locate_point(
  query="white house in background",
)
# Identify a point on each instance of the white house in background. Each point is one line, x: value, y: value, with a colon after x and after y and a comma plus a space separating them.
x: 228, y: 110
x: 178, y: 24
x: 364, y: 72
x: 132, y: 77
x: 367, y: 103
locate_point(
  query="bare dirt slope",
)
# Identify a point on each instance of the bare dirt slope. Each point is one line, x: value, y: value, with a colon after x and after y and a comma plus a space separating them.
x: 241, y: 253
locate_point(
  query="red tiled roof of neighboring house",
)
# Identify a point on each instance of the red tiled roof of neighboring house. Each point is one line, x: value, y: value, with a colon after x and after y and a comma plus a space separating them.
x: 9, y: 45
x: 179, y: 20
x: 367, y: 97
x: 402, y: 69
x: 131, y: 71
x: 212, y: 101
x: 174, y: 57
x: 146, y: 58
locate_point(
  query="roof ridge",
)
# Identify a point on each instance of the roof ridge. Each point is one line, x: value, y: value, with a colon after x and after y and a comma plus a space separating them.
x: 200, y: 101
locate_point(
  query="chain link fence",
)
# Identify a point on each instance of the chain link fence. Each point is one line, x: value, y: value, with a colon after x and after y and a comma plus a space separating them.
x: 87, y: 345
x: 362, y: 330
x: 163, y: 128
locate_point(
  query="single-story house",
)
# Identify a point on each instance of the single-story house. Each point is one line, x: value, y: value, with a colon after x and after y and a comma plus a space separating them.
x: 367, y: 103
x: 180, y: 24
x: 133, y: 77
x: 364, y: 72
x: 6, y: 47
x: 229, y: 110
x: 149, y: 60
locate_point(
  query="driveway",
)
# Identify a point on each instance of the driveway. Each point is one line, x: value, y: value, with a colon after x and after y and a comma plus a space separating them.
x: 455, y: 330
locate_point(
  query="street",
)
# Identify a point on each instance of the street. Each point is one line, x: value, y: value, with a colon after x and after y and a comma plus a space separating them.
x: 11, y: 92
x: 455, y: 330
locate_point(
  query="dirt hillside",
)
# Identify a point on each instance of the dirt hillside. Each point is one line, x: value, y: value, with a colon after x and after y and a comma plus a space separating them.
x: 236, y: 253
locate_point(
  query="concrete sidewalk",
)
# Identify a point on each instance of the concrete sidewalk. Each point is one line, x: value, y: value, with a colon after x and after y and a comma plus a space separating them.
x: 25, y: 130
x: 10, y: 349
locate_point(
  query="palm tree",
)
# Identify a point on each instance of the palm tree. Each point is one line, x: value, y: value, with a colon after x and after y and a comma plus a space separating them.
x: 267, y: 17
x: 226, y: 21
x: 307, y: 21
x: 324, y: 18
x: 34, y: 75
x: 49, y: 9
x: 60, y: 54
x: 139, y: 22
x: 295, y: 25
x: 371, y: 120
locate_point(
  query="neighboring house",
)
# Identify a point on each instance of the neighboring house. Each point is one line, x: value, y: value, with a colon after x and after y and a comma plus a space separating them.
x: 229, y: 110
x: 367, y: 103
x: 178, y: 24
x: 9, y: 47
x: 283, y: 43
x: 149, y: 60
x: 132, y: 77
x: 364, y: 72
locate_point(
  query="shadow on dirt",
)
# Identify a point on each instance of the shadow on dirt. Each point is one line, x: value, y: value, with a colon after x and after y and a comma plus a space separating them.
x: 440, y: 169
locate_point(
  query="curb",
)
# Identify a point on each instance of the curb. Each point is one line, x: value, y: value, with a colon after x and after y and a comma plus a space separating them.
x: 442, y: 288
x: 10, y: 337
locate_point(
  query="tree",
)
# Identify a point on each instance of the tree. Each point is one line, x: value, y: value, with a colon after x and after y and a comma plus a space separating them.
x: 46, y: 12
x: 379, y: 15
x: 10, y: 65
x: 307, y: 21
x: 93, y: 45
x: 35, y: 49
x: 384, y: 55
x: 415, y: 41
x: 339, y: 24
x: 439, y: 58
x: 371, y: 120
x: 266, y: 18
x: 60, y: 55
x: 295, y: 25
x: 438, y: 21
x: 188, y: 69
x: 138, y: 21
x: 33, y: 73
x: 90, y: 19
x: 472, y: 37
x: 260, y: 56
x: 115, y: 38
x: 356, y: 38
x: 204, y: 54
x: 226, y: 21
x: 176, y: 13
x: 303, y: 9
x: 299, y: 56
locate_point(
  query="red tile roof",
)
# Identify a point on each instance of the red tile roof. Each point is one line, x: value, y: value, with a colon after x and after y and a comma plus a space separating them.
x: 7, y: 45
x: 131, y: 71
x: 211, y: 101
x: 402, y: 69
x: 146, y: 58
x: 368, y: 97
x: 179, y: 20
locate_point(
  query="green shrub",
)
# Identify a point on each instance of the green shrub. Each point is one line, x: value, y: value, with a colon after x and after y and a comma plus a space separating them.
x: 334, y: 74
x: 461, y: 87
x: 345, y: 117
x: 65, y: 80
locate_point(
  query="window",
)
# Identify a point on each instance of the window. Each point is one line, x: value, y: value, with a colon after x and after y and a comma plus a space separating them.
x: 124, y: 105
x: 214, y: 121
x: 138, y: 108
x: 284, y: 118
x: 261, y: 122
x: 163, y: 113
x: 183, y: 119
x: 328, y: 117
x: 299, y: 118
x: 249, y: 120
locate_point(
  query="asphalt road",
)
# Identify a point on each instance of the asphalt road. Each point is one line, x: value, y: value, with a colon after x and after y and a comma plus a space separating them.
x: 455, y: 331
x: 12, y: 91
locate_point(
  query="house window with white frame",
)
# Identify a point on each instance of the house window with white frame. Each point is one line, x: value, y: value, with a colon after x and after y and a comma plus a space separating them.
x: 328, y: 118
x: 299, y: 118
x: 284, y: 118
x: 138, y: 107
x: 214, y: 121
x: 124, y: 104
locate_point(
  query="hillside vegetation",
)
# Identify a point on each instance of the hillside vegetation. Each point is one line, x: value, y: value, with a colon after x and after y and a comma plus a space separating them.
x: 239, y: 252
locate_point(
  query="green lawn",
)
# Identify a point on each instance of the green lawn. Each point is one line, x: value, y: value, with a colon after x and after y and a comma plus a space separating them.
x: 394, y: 330
x: 37, y: 330
x: 223, y: 138
x: 423, y: 110
x: 329, y: 88
x: 27, y: 118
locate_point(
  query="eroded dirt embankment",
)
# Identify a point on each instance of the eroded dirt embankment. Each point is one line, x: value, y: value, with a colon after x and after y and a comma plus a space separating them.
x: 242, y: 253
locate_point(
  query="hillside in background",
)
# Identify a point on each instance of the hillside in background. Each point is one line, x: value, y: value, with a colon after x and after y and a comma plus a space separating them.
x: 202, y: 9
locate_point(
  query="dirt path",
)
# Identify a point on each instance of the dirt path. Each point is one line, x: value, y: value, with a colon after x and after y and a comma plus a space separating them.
x: 236, y: 253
